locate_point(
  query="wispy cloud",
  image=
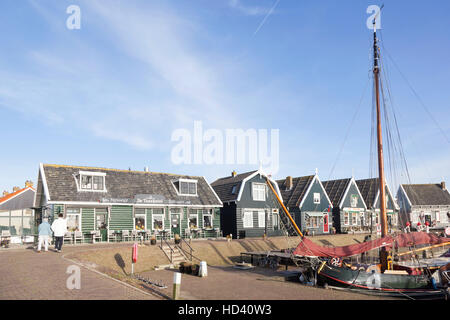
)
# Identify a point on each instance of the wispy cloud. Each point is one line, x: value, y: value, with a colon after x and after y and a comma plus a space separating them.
x: 248, y: 10
x: 267, y: 16
x: 174, y: 82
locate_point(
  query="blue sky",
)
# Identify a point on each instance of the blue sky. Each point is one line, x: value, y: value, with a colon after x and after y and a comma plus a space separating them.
x: 112, y: 93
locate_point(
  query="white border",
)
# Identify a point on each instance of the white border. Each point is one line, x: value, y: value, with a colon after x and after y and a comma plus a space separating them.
x: 396, y: 207
x: 346, y: 191
x: 44, y: 182
x: 260, y: 172
x: 188, y: 181
x: 212, y: 189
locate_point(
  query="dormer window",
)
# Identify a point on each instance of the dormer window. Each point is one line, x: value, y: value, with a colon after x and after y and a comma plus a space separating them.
x: 233, y: 190
x: 92, y: 181
x: 186, y: 187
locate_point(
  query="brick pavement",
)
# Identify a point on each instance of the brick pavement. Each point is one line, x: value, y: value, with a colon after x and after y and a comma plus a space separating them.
x: 28, y: 275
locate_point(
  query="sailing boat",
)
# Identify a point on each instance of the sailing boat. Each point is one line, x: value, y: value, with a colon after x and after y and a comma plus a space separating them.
x: 329, y: 267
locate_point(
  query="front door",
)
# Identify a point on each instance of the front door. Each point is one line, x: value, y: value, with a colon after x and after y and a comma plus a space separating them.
x: 101, y: 222
x: 325, y: 223
x: 428, y: 218
x: 175, y: 223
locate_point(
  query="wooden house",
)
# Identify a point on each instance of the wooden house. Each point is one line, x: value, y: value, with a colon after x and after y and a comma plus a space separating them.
x: 110, y: 199
x: 249, y: 207
x: 16, y: 213
x: 308, y: 202
x: 349, y: 208
x: 425, y: 203
x: 370, y: 191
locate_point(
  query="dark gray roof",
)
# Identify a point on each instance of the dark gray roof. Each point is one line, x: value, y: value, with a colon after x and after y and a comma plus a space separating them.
x: 23, y: 200
x: 294, y: 196
x: 123, y: 184
x: 427, y: 194
x: 224, y: 186
x: 335, y: 190
x: 369, y: 189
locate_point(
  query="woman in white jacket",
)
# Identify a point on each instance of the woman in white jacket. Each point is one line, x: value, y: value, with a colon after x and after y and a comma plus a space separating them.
x: 59, y: 227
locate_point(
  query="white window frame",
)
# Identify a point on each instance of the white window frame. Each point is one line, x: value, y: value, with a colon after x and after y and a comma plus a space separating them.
x: 258, y: 189
x: 354, y: 197
x: 154, y: 215
x: 140, y: 215
x: 275, y: 218
x: 209, y: 214
x: 346, y: 215
x: 261, y: 222
x: 354, y: 218
x: 196, y: 218
x: 92, y: 175
x: 245, y: 221
x: 186, y: 181
x: 316, y: 199
x: 363, y: 216
x: 438, y: 216
x: 78, y: 215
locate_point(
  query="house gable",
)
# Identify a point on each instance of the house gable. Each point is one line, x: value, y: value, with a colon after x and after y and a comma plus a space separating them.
x: 307, y: 203
x: 245, y: 199
x: 22, y: 199
x: 390, y: 201
x: 352, y: 192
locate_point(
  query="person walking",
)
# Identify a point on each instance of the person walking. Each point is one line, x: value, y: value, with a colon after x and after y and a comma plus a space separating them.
x: 45, y: 233
x: 59, y: 227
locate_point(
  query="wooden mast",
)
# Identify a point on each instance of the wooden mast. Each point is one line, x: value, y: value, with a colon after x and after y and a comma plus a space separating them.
x: 382, y: 194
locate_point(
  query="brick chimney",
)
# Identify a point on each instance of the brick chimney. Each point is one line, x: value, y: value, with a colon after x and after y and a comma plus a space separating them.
x: 16, y: 189
x: 443, y: 185
x: 233, y: 174
x: 289, y: 183
x: 5, y: 193
x: 28, y: 183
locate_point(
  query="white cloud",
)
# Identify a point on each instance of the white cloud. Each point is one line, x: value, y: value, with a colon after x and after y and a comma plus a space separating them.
x: 248, y: 10
x: 175, y: 83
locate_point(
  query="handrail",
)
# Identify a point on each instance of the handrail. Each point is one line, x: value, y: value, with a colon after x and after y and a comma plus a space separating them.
x: 171, y: 249
x: 284, y: 208
x: 181, y: 247
x: 192, y: 256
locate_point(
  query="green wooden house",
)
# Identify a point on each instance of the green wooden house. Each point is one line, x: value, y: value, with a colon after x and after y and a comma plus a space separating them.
x: 307, y: 200
x: 349, y: 208
x: 370, y: 191
x: 115, y: 200
x: 250, y: 209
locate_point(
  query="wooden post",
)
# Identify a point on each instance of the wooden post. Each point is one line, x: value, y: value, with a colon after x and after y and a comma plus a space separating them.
x: 176, y: 285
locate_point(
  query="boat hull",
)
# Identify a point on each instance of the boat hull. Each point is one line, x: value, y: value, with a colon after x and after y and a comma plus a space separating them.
x: 414, y: 286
